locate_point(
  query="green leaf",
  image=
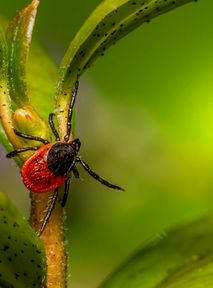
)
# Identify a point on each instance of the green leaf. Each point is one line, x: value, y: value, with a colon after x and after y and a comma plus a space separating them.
x: 3, y: 54
x: 5, y: 101
x: 32, y: 75
x: 3, y: 83
x: 22, y: 257
x: 4, y: 140
x: 25, y: 118
x: 41, y: 79
x: 19, y: 34
x: 111, y: 20
x: 181, y: 258
x: 31, y: 78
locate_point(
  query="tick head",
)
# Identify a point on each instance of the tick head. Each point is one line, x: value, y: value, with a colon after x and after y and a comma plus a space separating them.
x: 76, y: 144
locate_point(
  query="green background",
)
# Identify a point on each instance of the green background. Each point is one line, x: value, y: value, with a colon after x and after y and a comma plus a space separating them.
x: 145, y: 119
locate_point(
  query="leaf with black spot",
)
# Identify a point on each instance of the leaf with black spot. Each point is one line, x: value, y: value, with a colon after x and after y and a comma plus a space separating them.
x: 22, y: 257
x: 110, y: 21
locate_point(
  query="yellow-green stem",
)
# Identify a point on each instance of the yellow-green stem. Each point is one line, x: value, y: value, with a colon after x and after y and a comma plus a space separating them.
x: 53, y: 238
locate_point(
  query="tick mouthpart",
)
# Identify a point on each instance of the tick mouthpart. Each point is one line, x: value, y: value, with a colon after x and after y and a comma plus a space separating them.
x: 76, y: 144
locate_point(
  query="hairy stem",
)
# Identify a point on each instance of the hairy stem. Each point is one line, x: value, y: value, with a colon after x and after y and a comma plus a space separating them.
x: 52, y: 238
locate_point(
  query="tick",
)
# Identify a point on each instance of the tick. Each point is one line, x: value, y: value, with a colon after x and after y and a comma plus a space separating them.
x: 53, y: 164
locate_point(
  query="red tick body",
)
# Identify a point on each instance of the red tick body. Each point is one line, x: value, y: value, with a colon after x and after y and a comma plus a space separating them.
x: 36, y: 175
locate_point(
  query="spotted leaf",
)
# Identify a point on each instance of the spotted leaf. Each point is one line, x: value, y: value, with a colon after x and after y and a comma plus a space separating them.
x: 110, y: 21
x: 22, y: 259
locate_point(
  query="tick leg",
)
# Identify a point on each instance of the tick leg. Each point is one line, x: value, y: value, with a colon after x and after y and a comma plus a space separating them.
x: 97, y: 177
x: 52, y: 126
x: 67, y: 186
x: 66, y: 191
x: 70, y: 112
x: 20, y: 150
x: 49, y: 212
x: 30, y: 137
x: 75, y: 172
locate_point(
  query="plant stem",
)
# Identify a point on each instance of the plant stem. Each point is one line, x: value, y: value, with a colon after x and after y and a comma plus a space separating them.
x: 53, y: 238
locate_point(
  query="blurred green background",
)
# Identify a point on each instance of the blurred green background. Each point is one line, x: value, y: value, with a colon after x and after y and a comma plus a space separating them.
x: 145, y: 119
